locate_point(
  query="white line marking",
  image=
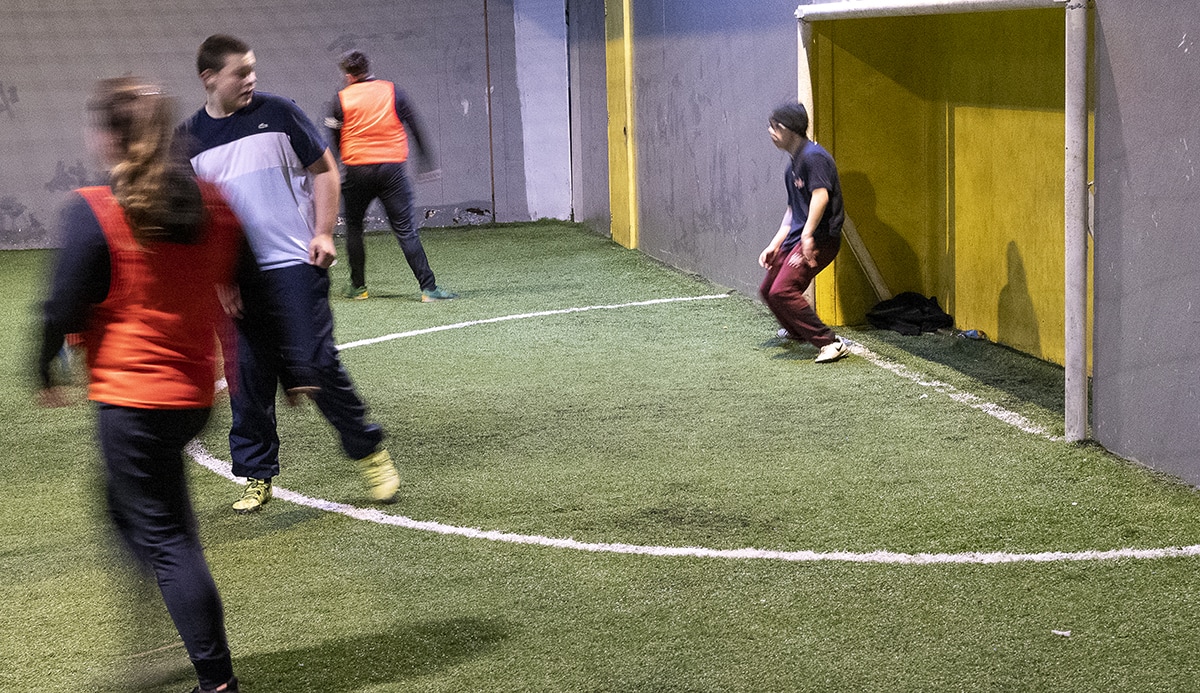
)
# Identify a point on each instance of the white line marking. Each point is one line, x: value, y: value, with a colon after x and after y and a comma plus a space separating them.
x: 991, y: 409
x: 197, y: 451
x: 522, y: 316
x: 201, y: 455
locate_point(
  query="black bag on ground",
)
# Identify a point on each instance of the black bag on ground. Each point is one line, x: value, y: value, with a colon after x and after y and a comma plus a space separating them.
x: 909, y: 313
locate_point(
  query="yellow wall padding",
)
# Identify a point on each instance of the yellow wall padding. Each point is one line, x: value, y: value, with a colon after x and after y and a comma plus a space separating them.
x: 622, y: 162
x: 948, y: 133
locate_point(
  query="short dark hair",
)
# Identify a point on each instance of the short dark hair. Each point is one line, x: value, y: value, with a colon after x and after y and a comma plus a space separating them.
x: 355, y: 63
x: 792, y: 116
x: 216, y: 49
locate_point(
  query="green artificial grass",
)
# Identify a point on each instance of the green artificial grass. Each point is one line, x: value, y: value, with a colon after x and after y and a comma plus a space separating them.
x: 676, y: 424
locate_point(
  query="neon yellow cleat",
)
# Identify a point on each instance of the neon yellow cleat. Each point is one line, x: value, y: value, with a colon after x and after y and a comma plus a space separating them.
x: 254, y: 496
x: 382, y: 478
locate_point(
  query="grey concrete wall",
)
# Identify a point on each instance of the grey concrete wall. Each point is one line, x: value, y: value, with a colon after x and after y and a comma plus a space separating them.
x: 506, y: 145
x: 589, y: 115
x: 1146, y: 374
x: 51, y: 54
x: 541, y: 51
x: 706, y: 77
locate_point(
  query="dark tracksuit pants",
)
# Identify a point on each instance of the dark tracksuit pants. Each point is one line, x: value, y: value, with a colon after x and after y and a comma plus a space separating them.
x: 286, y: 336
x: 388, y: 182
x: 783, y: 292
x: 149, y: 504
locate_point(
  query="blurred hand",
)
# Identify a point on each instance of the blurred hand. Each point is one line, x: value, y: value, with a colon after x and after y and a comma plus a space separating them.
x: 53, y: 397
x: 230, y: 297
x: 429, y: 176
x: 767, y: 257
x: 321, y: 251
x: 295, y: 396
x: 805, y: 253
x: 797, y: 260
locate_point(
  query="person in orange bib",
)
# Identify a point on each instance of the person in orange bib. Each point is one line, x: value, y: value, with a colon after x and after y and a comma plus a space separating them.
x: 373, y: 122
x: 139, y: 276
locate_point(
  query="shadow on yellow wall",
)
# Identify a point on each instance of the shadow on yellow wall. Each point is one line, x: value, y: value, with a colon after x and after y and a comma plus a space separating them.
x: 948, y: 132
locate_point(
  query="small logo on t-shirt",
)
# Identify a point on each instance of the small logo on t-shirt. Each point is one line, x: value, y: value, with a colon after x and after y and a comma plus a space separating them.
x: 263, y: 126
x: 799, y: 183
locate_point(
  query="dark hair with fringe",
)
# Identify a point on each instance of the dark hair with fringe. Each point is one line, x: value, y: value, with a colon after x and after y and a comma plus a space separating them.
x: 792, y: 116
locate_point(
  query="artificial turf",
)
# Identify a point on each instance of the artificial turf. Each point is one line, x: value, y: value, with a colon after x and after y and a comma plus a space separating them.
x: 672, y: 424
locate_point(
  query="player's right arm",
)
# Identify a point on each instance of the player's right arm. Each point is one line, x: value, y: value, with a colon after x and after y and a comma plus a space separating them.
x: 767, y: 257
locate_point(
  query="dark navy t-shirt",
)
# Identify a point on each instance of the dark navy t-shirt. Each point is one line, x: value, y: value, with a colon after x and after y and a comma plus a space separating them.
x: 810, y: 169
x: 259, y: 157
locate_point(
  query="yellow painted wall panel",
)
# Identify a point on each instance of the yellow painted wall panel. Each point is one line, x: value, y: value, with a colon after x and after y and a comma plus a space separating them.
x: 1008, y: 226
x: 621, y: 162
x: 948, y: 132
x: 877, y: 133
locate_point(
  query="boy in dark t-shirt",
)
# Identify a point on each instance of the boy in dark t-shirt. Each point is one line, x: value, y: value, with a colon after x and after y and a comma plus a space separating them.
x: 282, y: 181
x: 809, y: 236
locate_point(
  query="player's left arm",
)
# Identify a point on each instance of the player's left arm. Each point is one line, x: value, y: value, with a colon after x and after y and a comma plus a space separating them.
x: 333, y: 125
x: 427, y: 168
x: 81, y: 278
x: 326, y: 190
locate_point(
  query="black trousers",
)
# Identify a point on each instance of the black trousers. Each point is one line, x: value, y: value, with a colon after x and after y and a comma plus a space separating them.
x: 286, y: 336
x: 389, y: 183
x: 148, y: 502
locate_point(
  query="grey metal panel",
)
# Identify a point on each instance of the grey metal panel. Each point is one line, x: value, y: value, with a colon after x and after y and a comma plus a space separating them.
x: 542, y: 79
x: 589, y: 115
x: 507, y: 145
x: 706, y: 76
x: 1146, y: 354
x: 52, y: 53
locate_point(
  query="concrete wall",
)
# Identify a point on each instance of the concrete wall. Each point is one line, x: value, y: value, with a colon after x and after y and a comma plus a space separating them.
x: 1146, y: 377
x: 589, y: 114
x: 507, y: 164
x: 706, y: 77
x: 51, y: 54
x: 541, y: 56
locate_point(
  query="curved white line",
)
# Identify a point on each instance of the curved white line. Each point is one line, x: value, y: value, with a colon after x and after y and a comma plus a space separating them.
x: 201, y: 455
x: 197, y: 451
x: 522, y: 316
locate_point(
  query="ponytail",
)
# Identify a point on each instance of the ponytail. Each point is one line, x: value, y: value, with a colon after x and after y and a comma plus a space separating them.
x: 152, y: 183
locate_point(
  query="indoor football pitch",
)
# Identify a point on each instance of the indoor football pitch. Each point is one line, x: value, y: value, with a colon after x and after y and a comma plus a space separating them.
x: 617, y: 478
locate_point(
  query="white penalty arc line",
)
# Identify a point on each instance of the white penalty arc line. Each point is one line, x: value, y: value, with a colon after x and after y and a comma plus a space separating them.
x: 201, y: 455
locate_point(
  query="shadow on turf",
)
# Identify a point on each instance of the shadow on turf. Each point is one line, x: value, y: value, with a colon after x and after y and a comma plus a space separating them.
x: 402, y: 652
x: 792, y: 350
x: 1020, y: 375
x: 221, y: 525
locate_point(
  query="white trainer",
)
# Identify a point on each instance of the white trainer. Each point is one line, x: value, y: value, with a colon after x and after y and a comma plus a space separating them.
x: 832, y: 352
